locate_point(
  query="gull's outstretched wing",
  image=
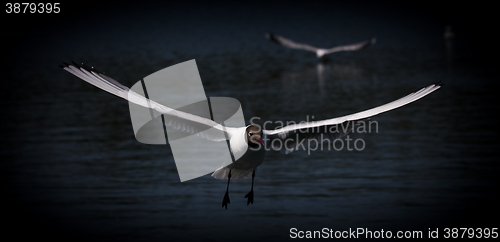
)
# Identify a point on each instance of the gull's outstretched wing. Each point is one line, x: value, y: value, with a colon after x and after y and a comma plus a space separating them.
x: 177, y: 119
x: 289, y: 43
x: 351, y: 47
x: 285, y: 132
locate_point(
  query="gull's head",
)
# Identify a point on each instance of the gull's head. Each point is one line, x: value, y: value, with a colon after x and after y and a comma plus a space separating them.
x: 254, y: 135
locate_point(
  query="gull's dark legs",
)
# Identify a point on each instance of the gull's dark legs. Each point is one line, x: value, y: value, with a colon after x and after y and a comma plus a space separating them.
x: 225, y: 201
x: 250, y: 194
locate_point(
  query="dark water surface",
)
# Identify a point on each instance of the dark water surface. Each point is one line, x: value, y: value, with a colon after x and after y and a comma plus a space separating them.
x: 71, y: 167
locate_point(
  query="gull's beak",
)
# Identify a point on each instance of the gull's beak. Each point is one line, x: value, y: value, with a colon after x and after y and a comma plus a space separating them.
x: 260, y: 142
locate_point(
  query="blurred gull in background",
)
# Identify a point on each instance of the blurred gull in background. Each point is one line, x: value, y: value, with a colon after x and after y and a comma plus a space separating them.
x: 320, y: 52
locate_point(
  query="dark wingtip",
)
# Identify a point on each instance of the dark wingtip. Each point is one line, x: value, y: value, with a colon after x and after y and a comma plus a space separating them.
x: 272, y: 37
x: 75, y: 64
x: 86, y: 67
x: 97, y: 71
x: 439, y: 84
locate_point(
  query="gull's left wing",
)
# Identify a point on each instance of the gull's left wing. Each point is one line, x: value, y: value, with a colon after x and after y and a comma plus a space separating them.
x: 334, y: 128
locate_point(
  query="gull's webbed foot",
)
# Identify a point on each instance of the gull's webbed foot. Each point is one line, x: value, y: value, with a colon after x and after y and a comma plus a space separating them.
x: 250, y: 197
x: 225, y: 201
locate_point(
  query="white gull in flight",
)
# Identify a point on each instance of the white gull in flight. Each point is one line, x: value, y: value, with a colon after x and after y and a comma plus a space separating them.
x: 252, y: 137
x: 320, y: 52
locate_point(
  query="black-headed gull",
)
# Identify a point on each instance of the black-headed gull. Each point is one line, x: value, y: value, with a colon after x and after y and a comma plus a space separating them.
x: 320, y: 52
x: 251, y: 138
